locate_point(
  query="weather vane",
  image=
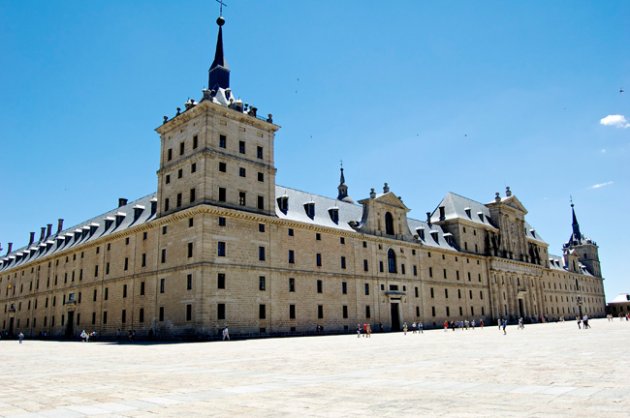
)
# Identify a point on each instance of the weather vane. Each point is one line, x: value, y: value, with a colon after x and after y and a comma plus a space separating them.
x: 571, y: 200
x: 341, y: 163
x: 221, y: 7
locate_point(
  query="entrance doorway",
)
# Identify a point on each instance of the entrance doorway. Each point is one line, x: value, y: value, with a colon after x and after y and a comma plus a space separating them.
x: 70, y: 325
x: 521, y: 309
x: 395, y: 317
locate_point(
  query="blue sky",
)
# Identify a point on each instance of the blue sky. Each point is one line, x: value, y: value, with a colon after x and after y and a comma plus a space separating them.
x: 430, y: 97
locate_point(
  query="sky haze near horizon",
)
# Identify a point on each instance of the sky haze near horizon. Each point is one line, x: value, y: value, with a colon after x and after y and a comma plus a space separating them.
x: 429, y: 97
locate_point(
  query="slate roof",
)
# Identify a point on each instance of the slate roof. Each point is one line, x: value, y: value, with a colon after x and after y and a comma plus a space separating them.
x: 133, y: 213
x: 556, y: 262
x: 621, y: 298
x: 455, y: 207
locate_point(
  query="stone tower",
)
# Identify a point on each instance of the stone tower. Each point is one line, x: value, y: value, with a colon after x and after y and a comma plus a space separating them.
x: 586, y: 249
x: 217, y: 151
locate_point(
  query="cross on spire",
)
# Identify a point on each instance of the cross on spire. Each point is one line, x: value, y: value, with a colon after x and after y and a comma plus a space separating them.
x: 221, y: 6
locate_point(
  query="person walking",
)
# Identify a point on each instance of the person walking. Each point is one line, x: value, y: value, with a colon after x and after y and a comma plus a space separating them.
x: 504, y: 325
x: 405, y: 328
x: 226, y: 333
x: 421, y: 327
x: 358, y: 330
x: 21, y: 337
x: 579, y: 322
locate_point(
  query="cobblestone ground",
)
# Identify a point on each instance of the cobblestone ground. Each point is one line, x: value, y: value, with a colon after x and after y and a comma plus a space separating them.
x: 547, y: 370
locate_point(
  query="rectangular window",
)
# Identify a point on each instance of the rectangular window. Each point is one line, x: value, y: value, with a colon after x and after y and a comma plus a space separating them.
x: 166, y: 204
x: 444, y: 271
x: 141, y: 288
x: 179, y: 200
x: 366, y: 289
x: 164, y: 229
x: 144, y: 259
x: 365, y: 265
x: 242, y: 172
x: 93, y: 319
x: 107, y: 268
x: 191, y: 222
x: 367, y: 311
x: 189, y: 282
x: 446, y: 293
x: 242, y: 198
x: 448, y: 311
x: 124, y: 291
x: 162, y: 285
x: 291, y: 257
x: 163, y: 258
x: 222, y: 141
x: 343, y: 262
x: 344, y: 288
x: 262, y: 311
x: 222, y: 167
x: 190, y: 249
x: 241, y: 147
x: 291, y: 311
x: 181, y: 148
x: 96, y: 270
x: 193, y: 195
x: 141, y: 315
x: 261, y: 203
x: 93, y: 298
x: 221, y: 221
x: 290, y: 232
x: 415, y: 270
x: 261, y: 177
x: 222, y: 194
x: 123, y: 316
x: 320, y: 311
x: 380, y: 266
x: 189, y: 312
x: 169, y: 154
x: 261, y: 227
x: 261, y: 253
x: 430, y: 271
x: 220, y: 280
x: 320, y: 286
x: 221, y: 249
x: 344, y: 311
x: 432, y: 294
x: 104, y: 317
x: 168, y: 179
x: 126, y: 264
x: 221, y: 311
x: 318, y: 260
x: 259, y: 152
x: 416, y: 291
x: 193, y: 167
x: 262, y: 283
x: 291, y: 284
x: 161, y: 313
x: 105, y: 296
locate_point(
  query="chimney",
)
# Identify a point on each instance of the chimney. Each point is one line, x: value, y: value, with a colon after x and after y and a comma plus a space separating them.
x: 48, y: 230
x: 122, y: 202
x: 31, y: 239
x: 42, y: 235
x: 429, y: 219
x: 10, y: 248
x: 385, y: 188
x: 442, y: 215
x: 59, y: 225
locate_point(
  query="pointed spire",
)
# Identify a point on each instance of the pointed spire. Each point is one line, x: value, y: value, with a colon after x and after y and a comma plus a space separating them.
x: 342, y: 188
x: 577, y: 235
x: 219, y: 73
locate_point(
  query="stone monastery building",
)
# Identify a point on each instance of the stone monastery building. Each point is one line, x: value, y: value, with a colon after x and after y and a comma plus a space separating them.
x: 221, y: 244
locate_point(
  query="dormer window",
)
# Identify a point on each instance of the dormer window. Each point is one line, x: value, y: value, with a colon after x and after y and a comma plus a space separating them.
x: 334, y: 214
x: 480, y: 214
x: 420, y: 232
x: 434, y: 235
x: 137, y: 211
x: 468, y: 212
x: 283, y: 204
x: 309, y: 208
x: 108, y: 222
x: 119, y: 218
x: 449, y: 238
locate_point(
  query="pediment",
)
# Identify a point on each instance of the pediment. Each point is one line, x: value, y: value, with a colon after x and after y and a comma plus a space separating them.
x: 390, y: 199
x: 514, y: 203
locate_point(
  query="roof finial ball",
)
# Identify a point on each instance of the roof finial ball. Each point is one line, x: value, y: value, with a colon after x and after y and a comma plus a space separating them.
x: 220, y: 21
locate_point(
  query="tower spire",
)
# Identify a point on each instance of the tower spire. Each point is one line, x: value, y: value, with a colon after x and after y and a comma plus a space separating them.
x: 577, y: 235
x: 219, y: 73
x: 342, y: 188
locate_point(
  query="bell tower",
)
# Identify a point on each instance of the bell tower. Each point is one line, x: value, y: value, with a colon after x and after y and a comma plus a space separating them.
x: 217, y: 151
x: 586, y: 249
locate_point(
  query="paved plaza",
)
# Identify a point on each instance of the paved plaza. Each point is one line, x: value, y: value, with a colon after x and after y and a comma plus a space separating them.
x: 547, y: 370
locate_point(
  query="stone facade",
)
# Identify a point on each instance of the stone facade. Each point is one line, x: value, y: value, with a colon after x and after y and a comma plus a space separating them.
x: 221, y: 244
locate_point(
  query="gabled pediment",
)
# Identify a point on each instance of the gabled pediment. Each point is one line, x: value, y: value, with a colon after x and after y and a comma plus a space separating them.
x: 514, y: 203
x: 391, y: 199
